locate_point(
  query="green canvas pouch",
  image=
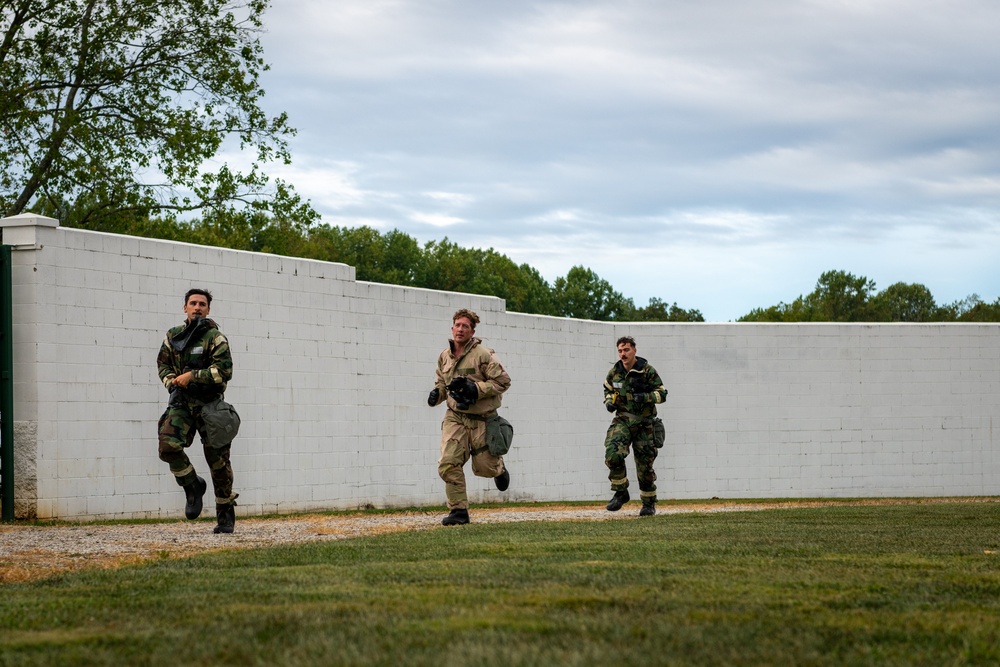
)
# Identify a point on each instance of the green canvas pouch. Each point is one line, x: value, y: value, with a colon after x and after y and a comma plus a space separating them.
x: 499, y: 435
x: 222, y: 423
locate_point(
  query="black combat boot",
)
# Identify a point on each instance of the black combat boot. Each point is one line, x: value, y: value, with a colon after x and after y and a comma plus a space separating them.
x: 620, y: 498
x: 456, y: 517
x: 648, y: 508
x: 503, y: 479
x: 194, y: 491
x: 226, y: 515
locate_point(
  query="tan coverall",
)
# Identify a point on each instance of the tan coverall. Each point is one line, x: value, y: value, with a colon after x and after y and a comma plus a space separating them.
x: 463, y: 433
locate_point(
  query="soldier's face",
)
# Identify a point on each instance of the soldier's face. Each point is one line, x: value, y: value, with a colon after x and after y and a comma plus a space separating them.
x: 627, y: 355
x: 462, y: 330
x: 196, y: 306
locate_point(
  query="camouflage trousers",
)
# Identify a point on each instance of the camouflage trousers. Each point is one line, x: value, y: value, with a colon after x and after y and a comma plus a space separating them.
x: 639, y: 434
x: 177, y: 428
x: 462, y: 438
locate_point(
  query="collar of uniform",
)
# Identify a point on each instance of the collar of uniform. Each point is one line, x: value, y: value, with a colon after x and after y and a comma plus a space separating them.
x: 191, y: 332
x: 639, y: 364
x: 472, y: 343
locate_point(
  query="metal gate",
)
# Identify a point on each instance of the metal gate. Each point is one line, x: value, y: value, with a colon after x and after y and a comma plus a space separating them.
x: 6, y: 388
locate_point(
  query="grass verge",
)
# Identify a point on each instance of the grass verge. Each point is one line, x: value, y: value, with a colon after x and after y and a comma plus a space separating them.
x: 841, y: 585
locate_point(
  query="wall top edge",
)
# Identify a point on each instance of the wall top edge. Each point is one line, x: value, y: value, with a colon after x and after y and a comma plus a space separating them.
x: 411, y: 288
x: 28, y: 220
x: 235, y: 251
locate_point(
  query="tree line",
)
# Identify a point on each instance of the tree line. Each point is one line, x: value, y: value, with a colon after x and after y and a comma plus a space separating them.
x: 397, y: 258
x: 843, y: 297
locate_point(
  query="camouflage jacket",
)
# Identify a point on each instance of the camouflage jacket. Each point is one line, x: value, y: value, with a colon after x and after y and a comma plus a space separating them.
x: 205, y: 352
x: 634, y: 393
x: 481, y: 365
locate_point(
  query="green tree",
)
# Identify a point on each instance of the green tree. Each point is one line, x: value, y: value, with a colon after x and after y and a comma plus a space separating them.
x: 769, y: 314
x: 393, y: 258
x: 491, y: 273
x: 659, y: 311
x: 905, y: 302
x: 982, y: 312
x: 535, y: 294
x: 798, y: 310
x: 582, y: 294
x: 110, y: 110
x: 446, y: 267
x: 840, y: 297
x: 973, y: 309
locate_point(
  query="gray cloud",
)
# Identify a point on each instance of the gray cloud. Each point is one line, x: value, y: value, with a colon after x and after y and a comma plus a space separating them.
x: 739, y: 147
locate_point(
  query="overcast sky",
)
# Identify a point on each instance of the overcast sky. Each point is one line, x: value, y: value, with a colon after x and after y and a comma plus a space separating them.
x: 718, y: 154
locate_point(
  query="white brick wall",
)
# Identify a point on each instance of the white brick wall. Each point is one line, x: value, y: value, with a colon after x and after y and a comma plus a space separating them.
x: 331, y: 377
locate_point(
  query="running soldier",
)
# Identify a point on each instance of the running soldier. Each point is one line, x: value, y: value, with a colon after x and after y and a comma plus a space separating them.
x: 631, y: 390
x: 195, y: 365
x: 471, y: 378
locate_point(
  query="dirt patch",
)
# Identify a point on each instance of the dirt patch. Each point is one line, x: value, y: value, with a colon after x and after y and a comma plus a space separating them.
x: 30, y: 552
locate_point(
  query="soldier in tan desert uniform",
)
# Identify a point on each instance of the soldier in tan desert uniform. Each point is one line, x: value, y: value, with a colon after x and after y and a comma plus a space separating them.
x: 471, y: 379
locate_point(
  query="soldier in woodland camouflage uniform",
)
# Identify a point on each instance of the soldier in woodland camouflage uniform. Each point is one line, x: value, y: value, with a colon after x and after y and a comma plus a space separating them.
x: 631, y: 390
x: 194, y: 365
x: 471, y: 378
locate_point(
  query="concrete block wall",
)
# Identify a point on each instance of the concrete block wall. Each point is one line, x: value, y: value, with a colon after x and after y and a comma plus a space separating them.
x: 331, y: 376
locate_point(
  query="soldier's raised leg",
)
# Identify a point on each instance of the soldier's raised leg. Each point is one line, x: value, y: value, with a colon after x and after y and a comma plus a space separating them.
x: 616, y: 446
x: 176, y: 432
x: 485, y: 464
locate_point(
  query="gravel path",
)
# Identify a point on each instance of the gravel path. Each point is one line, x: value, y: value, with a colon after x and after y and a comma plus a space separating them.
x: 35, y: 552
x: 32, y: 552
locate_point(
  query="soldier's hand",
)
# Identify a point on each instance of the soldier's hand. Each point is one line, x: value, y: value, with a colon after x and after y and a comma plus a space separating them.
x: 610, y: 406
x: 640, y: 398
x: 433, y: 397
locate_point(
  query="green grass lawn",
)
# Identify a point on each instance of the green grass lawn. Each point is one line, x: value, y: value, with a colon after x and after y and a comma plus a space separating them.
x: 848, y: 585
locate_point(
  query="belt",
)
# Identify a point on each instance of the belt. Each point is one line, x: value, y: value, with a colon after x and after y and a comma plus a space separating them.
x: 629, y: 415
x: 470, y: 415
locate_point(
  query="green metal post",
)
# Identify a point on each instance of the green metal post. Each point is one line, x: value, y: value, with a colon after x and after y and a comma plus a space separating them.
x: 6, y: 386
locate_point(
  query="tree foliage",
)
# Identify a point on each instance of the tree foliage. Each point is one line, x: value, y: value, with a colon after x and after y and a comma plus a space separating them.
x: 392, y: 258
x: 843, y: 297
x: 111, y: 109
x: 973, y: 309
x: 396, y: 258
x: 582, y: 294
x: 659, y: 311
x: 905, y: 302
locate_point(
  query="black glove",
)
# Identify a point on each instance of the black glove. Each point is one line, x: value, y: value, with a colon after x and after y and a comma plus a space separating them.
x: 640, y: 398
x: 641, y: 385
x: 463, y: 386
x: 432, y: 398
x: 464, y: 391
x: 610, y: 406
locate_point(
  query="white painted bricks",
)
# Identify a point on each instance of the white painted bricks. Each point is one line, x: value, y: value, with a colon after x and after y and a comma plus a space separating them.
x: 331, y: 377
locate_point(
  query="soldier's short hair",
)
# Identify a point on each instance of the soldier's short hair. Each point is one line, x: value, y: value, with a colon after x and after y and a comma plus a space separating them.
x: 197, y: 290
x: 468, y: 314
x: 627, y: 339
